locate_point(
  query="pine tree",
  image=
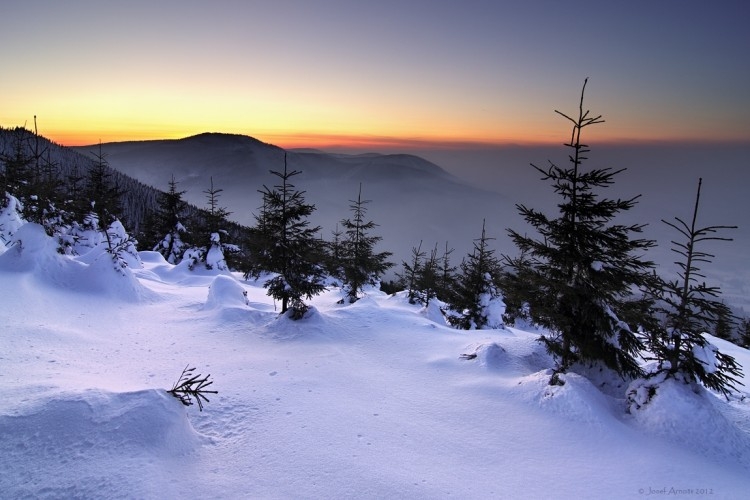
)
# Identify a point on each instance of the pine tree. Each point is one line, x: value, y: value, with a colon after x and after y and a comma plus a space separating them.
x: 409, y: 277
x: 690, y: 308
x: 167, y: 234
x: 17, y: 167
x: 335, y: 254
x: 581, y: 273
x: 258, y: 245
x: 211, y: 246
x: 725, y: 324
x: 744, y: 332
x: 361, y: 265
x: 428, y: 278
x: 296, y: 254
x: 102, y: 193
x: 447, y: 275
x: 475, y: 287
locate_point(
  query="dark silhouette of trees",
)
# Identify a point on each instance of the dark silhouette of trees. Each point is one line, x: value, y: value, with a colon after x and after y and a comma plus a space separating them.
x: 690, y: 307
x: 409, y: 276
x: 167, y: 233
x: 475, y: 286
x: 294, y: 252
x: 580, y: 274
x: 360, y: 264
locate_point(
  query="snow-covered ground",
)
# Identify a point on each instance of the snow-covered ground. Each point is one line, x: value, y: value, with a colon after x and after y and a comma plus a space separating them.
x: 369, y: 400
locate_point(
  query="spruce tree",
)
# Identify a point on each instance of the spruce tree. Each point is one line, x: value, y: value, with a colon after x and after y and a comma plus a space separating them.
x: 360, y: 264
x: 335, y: 254
x: 428, y: 279
x: 102, y: 193
x: 581, y: 272
x: 42, y: 201
x: 167, y: 233
x: 295, y: 254
x: 744, y: 332
x: 690, y: 308
x: 211, y: 246
x: 17, y: 167
x: 447, y: 275
x: 475, y: 287
x: 409, y: 277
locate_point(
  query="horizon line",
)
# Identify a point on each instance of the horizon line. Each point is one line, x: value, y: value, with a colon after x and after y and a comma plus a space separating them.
x: 361, y: 142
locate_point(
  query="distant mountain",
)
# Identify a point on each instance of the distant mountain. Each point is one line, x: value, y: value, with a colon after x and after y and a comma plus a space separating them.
x: 413, y: 199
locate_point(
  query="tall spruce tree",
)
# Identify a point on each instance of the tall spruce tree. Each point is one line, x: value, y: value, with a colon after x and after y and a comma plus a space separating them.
x: 690, y: 308
x: 294, y: 253
x: 475, y: 287
x: 581, y: 273
x: 360, y: 264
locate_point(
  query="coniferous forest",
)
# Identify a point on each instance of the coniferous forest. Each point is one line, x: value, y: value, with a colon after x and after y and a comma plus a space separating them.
x: 583, y: 276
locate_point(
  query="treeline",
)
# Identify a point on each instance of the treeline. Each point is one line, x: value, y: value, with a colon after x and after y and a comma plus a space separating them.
x: 583, y: 277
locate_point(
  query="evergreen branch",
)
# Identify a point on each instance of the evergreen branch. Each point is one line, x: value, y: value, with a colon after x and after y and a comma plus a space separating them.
x: 190, y: 386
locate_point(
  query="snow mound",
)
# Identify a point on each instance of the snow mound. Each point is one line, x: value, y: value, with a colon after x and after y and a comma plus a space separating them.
x: 96, y: 433
x: 35, y: 253
x: 492, y: 356
x: 31, y: 250
x: 577, y: 399
x: 517, y: 354
x: 153, y: 258
x: 225, y: 292
x: 228, y: 301
x: 433, y: 312
x: 684, y: 412
x: 102, y: 276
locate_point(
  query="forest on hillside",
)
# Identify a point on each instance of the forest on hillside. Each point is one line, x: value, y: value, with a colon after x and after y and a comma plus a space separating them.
x: 581, y: 277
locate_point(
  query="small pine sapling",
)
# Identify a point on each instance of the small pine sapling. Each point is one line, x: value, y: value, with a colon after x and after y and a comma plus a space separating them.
x: 190, y: 386
x: 690, y: 308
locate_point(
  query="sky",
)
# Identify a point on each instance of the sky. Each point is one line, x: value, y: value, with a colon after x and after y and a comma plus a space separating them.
x: 376, y: 75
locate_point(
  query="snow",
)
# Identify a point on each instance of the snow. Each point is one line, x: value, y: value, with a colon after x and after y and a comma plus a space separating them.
x: 366, y: 400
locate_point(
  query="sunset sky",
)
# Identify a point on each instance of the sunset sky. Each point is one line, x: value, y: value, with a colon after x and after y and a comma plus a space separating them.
x: 375, y: 74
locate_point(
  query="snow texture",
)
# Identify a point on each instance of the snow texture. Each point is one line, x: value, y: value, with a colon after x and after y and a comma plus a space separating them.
x: 376, y: 399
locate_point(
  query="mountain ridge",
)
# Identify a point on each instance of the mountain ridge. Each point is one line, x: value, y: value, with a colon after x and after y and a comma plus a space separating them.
x: 413, y: 199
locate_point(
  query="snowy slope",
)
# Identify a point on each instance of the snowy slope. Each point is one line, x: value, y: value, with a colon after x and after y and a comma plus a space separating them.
x: 369, y: 400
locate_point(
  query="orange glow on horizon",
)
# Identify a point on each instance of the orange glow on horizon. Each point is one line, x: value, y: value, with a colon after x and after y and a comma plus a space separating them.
x: 362, y: 142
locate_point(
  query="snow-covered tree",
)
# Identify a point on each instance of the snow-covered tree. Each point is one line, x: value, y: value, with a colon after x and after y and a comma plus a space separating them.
x: 295, y: 253
x: 360, y: 264
x: 121, y: 247
x: 581, y: 271
x: 476, y: 301
x: 171, y: 236
x: 10, y: 218
x: 690, y: 308
x: 212, y: 249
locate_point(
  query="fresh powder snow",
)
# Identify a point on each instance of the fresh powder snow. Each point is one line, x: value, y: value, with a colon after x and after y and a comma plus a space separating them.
x: 376, y: 399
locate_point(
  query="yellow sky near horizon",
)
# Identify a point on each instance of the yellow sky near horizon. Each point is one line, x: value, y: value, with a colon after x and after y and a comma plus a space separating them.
x: 374, y: 76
